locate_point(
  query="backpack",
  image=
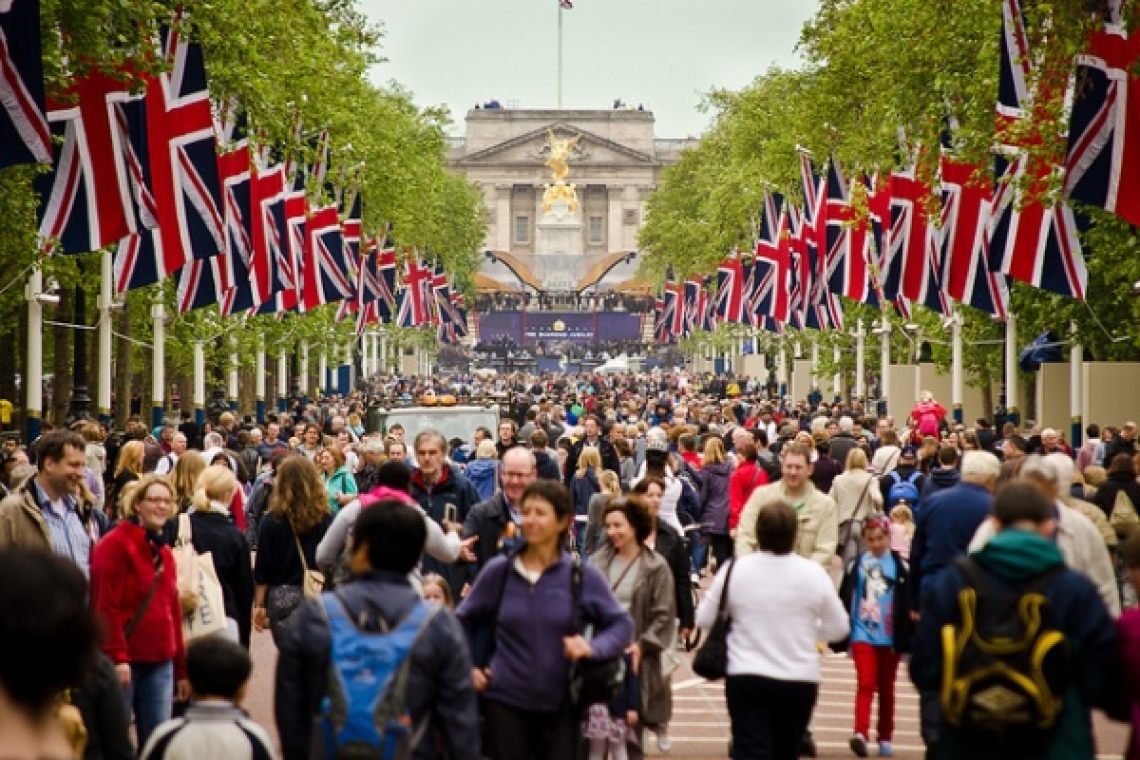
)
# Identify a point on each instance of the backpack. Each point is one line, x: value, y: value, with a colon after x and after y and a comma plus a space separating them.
x: 1124, y: 518
x: 1007, y: 665
x: 903, y: 490
x: 364, y: 715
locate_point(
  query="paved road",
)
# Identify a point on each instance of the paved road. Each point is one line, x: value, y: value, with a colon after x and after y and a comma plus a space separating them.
x: 700, y: 727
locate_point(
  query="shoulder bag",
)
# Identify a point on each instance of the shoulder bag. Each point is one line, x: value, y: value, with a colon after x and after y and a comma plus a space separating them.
x: 197, y: 576
x: 312, y: 581
x: 711, y: 660
x: 591, y: 681
x: 854, y: 526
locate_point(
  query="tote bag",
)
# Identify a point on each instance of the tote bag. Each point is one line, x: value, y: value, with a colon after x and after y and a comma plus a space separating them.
x: 197, y: 576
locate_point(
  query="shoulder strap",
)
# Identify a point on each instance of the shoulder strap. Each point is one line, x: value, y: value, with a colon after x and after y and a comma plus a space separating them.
x: 972, y: 572
x: 576, y: 594
x: 913, y: 479
x: 300, y: 550
x: 722, y: 605
x: 133, y: 623
x: 895, y: 476
x: 185, y: 531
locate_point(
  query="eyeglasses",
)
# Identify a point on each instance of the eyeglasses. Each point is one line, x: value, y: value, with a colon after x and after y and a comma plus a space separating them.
x: 158, y: 500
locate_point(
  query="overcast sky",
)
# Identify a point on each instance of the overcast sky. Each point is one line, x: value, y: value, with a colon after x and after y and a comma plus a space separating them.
x: 662, y: 53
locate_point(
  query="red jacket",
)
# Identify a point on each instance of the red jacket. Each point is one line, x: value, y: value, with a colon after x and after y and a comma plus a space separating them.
x: 746, y: 479
x: 122, y: 571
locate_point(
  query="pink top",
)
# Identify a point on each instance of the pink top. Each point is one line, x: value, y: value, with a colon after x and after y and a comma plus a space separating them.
x: 901, y: 536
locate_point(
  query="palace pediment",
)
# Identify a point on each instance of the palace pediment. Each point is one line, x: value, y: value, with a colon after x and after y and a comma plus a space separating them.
x: 532, y: 149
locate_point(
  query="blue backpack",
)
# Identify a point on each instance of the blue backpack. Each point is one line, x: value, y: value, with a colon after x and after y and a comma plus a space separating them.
x: 364, y: 715
x: 903, y: 490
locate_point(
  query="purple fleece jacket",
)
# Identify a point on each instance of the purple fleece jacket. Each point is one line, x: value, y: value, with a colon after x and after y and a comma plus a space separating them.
x: 528, y: 669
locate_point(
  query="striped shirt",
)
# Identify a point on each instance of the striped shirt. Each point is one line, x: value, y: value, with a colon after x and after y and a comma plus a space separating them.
x: 69, y: 538
x: 212, y: 731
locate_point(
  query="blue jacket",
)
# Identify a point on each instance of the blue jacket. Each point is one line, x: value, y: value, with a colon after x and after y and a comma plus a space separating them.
x: 1011, y: 560
x: 714, y: 496
x: 483, y: 474
x: 943, y: 530
x: 583, y: 489
x: 939, y: 479
x: 528, y: 668
x: 440, y: 689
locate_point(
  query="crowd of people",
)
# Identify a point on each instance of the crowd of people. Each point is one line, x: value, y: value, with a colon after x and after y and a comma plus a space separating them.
x: 528, y: 591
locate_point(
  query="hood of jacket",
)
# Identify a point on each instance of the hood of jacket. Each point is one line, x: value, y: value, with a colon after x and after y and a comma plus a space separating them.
x: 479, y: 470
x: 945, y: 477
x: 1017, y: 556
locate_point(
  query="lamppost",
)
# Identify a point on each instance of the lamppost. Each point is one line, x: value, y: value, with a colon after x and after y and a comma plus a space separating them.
x: 79, y: 408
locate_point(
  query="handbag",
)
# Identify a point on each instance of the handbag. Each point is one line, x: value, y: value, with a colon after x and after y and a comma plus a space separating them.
x: 209, y: 614
x: 591, y: 681
x: 312, y: 581
x: 711, y: 660
x: 848, y: 526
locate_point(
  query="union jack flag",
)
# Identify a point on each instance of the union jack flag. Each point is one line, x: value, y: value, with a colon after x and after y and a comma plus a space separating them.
x: 25, y: 137
x: 413, y: 302
x: 173, y: 161
x: 235, y: 175
x: 673, y: 311
x: 847, y: 256
x: 85, y: 201
x: 698, y: 309
x: 324, y: 267
x: 964, y: 240
x: 459, y: 305
x: 661, y: 333
x: 201, y: 283
x: 1029, y: 240
x: 911, y: 264
x: 448, y: 319
x: 268, y: 263
x: 730, y: 290
x: 770, y: 288
x: 1103, y: 164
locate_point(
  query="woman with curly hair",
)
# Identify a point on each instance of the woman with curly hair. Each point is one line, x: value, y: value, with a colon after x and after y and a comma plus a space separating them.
x: 127, y: 471
x: 298, y: 518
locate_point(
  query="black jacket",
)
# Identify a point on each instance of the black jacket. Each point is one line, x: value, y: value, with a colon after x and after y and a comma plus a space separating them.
x: 488, y: 520
x: 99, y: 700
x: 548, y: 466
x: 672, y: 548
x: 456, y: 490
x: 841, y: 446
x: 439, y: 689
x: 1106, y: 492
x: 904, y: 626
x: 215, y: 533
x: 607, y: 451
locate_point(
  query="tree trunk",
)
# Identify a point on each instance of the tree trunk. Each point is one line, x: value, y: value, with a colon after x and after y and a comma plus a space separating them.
x: 61, y: 362
x: 124, y: 362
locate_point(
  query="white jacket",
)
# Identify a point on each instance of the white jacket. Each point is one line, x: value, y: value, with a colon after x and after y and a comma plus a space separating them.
x: 857, y: 494
x: 1081, y: 545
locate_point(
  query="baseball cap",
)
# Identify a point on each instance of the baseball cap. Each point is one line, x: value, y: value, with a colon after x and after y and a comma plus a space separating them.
x: 656, y: 444
x: 908, y: 451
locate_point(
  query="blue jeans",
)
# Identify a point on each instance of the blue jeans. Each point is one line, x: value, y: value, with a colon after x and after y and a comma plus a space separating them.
x: 150, y: 697
x: 698, y: 552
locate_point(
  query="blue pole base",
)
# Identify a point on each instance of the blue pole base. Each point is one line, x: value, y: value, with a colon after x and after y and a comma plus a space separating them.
x: 1012, y: 415
x: 261, y: 411
x: 105, y: 417
x: 156, y: 415
x: 34, y: 426
x: 233, y: 405
x: 958, y: 413
x: 1076, y: 434
x: 199, y: 416
x: 282, y: 404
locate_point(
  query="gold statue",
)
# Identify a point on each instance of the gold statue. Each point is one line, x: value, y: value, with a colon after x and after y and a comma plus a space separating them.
x: 560, y: 191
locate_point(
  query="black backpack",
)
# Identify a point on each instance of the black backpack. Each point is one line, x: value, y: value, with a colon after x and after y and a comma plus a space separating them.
x: 1007, y: 666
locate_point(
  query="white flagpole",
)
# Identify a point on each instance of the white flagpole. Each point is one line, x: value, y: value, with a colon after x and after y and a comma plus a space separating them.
x: 561, y: 10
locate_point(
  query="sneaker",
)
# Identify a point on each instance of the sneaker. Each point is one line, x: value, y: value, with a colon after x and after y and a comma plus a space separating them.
x: 858, y: 745
x: 886, y: 750
x: 664, y: 743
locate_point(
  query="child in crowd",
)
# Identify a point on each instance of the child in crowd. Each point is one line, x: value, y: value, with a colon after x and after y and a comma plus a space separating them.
x: 875, y: 590
x: 437, y: 590
x: 902, y: 530
x: 214, y: 725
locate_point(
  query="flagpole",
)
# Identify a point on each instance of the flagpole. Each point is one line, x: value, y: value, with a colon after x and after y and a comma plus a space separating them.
x: 106, y: 299
x: 561, y: 10
x: 1076, y: 360
x: 158, y: 365
x: 1011, y: 394
x: 33, y: 379
x: 956, y: 368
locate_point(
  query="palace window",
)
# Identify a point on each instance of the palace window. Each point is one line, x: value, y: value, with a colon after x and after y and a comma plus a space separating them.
x: 522, y: 229
x: 597, y: 230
